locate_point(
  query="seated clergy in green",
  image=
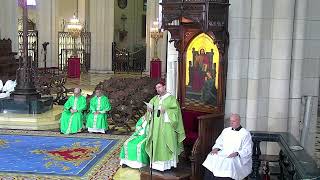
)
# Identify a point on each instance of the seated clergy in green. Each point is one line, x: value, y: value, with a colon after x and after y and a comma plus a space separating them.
x: 97, y: 117
x: 71, y: 118
x: 133, y: 153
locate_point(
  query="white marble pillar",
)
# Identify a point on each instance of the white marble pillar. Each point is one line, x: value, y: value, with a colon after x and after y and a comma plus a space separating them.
x: 9, y: 22
x: 47, y: 32
x: 151, y: 16
x: 172, y: 68
x: 239, y: 28
x: 296, y: 69
x: 256, y: 26
x: 163, y: 46
x: 102, y: 30
x: 53, y: 61
x: 311, y: 70
x: 280, y: 65
x: 82, y: 10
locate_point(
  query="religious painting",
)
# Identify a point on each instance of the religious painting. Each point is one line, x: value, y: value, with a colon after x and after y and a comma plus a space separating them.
x: 202, y: 62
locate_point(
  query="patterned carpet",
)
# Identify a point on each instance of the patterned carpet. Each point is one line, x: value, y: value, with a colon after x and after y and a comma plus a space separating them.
x: 50, y: 155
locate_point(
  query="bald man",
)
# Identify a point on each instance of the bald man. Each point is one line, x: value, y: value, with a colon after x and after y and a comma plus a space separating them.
x: 230, y: 157
x: 72, y: 117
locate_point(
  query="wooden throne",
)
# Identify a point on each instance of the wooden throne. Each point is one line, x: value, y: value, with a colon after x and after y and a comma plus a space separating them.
x: 8, y: 64
x: 187, y: 21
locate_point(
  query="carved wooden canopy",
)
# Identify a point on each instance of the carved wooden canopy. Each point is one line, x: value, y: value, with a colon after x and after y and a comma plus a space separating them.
x: 205, y: 15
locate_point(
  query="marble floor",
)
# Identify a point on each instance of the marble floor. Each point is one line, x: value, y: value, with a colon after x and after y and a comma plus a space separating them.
x: 127, y: 173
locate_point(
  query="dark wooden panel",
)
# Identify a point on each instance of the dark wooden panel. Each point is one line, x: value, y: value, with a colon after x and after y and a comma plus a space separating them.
x: 210, y: 127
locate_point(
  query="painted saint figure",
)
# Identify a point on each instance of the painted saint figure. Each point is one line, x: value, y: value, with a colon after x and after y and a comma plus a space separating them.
x: 201, y: 65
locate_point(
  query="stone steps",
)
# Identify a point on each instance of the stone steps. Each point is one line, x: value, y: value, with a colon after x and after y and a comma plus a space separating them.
x: 45, y: 121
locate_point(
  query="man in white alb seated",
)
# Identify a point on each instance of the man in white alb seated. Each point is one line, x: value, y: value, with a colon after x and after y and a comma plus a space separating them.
x: 231, y: 156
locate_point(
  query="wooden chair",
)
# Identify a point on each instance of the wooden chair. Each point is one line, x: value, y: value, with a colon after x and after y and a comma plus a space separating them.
x: 8, y: 64
x: 210, y: 127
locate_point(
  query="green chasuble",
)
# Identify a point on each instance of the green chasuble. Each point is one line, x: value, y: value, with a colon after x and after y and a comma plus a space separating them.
x: 72, y: 123
x: 98, y: 122
x: 133, y: 151
x: 166, y: 133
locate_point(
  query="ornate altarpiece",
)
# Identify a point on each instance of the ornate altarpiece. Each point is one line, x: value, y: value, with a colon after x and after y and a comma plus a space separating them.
x: 199, y: 30
x: 186, y: 20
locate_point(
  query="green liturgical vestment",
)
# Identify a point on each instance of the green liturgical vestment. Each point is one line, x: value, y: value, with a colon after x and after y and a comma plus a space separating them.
x: 72, y: 123
x: 133, y: 151
x: 98, y: 122
x: 166, y: 133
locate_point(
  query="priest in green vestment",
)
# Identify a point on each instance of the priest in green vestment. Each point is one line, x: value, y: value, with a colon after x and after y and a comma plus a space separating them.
x: 133, y: 153
x: 72, y: 118
x: 97, y: 117
x: 166, y: 133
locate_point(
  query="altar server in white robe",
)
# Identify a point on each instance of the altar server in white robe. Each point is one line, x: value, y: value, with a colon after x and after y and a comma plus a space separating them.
x: 231, y: 156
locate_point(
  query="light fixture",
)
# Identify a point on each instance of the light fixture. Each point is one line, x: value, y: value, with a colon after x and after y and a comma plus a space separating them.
x: 156, y: 34
x: 31, y: 2
x: 74, y: 27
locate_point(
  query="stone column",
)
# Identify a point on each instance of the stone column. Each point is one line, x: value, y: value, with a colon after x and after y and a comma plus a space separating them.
x: 172, y: 68
x: 280, y: 65
x: 82, y: 10
x: 259, y: 65
x: 239, y: 28
x: 9, y: 22
x: 163, y: 48
x: 151, y: 16
x: 102, y: 30
x: 54, y: 34
x: 253, y: 65
x: 311, y: 72
x: 47, y: 32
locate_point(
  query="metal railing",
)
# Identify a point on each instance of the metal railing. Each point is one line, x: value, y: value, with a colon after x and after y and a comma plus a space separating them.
x: 68, y: 46
x: 125, y: 61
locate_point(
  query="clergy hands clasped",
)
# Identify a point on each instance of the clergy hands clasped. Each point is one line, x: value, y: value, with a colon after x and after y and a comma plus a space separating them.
x: 149, y: 109
x: 215, y: 151
x: 234, y: 154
